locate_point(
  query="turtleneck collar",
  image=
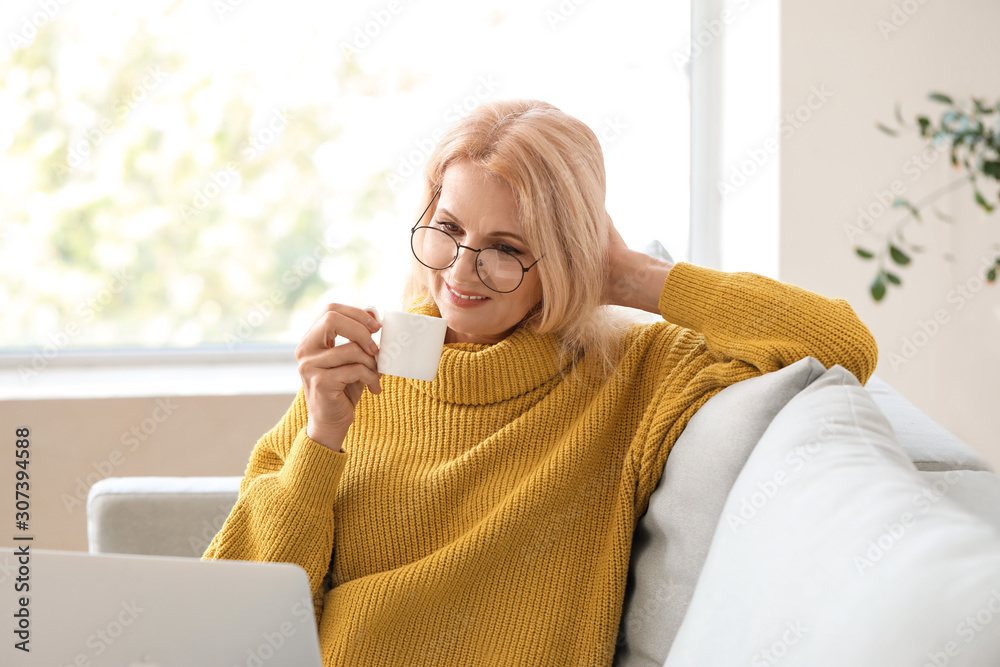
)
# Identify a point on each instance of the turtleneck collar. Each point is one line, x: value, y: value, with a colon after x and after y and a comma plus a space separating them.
x: 477, y: 374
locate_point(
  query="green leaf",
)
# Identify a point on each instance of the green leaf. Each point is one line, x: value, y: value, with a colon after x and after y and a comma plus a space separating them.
x: 891, y: 133
x: 991, y: 275
x: 992, y: 168
x: 940, y: 97
x: 903, y: 203
x: 893, y: 278
x: 878, y: 288
x: 898, y: 255
x: 947, y: 118
x: 981, y: 107
x: 983, y: 203
x: 864, y: 254
x: 942, y: 216
x: 925, y: 124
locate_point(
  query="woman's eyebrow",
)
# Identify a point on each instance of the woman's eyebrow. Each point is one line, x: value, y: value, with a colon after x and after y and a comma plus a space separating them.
x: 454, y: 217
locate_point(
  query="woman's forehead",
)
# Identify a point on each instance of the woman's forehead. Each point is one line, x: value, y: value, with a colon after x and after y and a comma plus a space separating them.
x: 477, y: 199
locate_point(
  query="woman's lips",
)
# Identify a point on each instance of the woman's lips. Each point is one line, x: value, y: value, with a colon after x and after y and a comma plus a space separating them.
x: 461, y: 299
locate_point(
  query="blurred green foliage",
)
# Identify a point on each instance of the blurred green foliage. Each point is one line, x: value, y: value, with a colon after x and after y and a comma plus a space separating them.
x: 151, y: 201
x: 969, y: 131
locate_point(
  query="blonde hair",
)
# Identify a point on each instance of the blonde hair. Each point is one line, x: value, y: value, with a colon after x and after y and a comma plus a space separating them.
x: 554, y: 166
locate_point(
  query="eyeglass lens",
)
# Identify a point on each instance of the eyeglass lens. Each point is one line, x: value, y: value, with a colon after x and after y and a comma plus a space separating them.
x: 436, y: 249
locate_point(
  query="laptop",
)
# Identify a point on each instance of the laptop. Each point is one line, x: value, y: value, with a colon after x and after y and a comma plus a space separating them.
x: 153, y: 611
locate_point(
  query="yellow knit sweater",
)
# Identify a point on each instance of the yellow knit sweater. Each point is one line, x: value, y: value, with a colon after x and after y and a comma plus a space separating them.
x: 486, y: 518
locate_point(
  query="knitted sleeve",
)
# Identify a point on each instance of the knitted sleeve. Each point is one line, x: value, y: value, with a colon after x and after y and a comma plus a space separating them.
x: 766, y: 323
x: 731, y: 327
x: 284, y: 512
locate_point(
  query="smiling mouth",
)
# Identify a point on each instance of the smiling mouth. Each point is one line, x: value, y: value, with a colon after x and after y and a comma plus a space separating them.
x: 465, y: 296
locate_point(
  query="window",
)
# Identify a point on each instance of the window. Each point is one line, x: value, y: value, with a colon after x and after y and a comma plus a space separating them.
x: 181, y: 174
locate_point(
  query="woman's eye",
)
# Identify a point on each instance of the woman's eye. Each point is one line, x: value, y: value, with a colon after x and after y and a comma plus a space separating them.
x: 447, y: 226
x: 506, y: 248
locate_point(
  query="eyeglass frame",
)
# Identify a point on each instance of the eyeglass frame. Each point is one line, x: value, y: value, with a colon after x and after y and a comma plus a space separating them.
x: 459, y: 246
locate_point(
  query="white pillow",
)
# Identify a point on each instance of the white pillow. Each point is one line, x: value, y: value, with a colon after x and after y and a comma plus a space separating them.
x: 832, y: 550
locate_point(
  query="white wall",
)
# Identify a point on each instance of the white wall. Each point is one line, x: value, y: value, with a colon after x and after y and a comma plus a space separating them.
x: 837, y: 162
x: 75, y: 442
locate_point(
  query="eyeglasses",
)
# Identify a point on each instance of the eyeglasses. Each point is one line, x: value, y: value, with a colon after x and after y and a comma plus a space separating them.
x: 436, y: 249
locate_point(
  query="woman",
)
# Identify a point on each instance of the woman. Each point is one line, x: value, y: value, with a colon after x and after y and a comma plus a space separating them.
x: 486, y: 517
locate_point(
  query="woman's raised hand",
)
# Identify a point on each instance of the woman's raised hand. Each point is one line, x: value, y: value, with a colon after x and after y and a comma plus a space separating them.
x: 633, y: 279
x: 333, y: 376
x: 618, y: 266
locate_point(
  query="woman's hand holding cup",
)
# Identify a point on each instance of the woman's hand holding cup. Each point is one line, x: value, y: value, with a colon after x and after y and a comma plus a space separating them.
x: 333, y: 376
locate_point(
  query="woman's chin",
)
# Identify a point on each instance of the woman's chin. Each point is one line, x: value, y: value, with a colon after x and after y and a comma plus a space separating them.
x: 476, y: 336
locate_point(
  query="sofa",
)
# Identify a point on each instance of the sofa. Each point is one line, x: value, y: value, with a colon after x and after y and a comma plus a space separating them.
x: 801, y: 519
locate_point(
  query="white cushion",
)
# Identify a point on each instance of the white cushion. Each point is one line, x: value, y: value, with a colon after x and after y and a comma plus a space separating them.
x: 929, y: 445
x: 834, y: 550
x: 975, y: 490
x: 671, y: 541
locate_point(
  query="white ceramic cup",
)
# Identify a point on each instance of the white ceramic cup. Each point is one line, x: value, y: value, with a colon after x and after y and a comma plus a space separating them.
x: 410, y: 345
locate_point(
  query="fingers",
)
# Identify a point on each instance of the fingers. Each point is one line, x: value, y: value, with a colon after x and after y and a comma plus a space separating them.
x: 364, y: 315
x: 351, y: 323
x: 329, y: 377
x: 343, y: 378
x: 342, y: 355
x: 340, y: 369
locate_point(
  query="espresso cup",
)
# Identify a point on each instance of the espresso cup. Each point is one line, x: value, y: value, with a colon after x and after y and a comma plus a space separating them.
x: 410, y: 345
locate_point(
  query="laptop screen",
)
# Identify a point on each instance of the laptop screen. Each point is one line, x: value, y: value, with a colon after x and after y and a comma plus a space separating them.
x: 80, y: 609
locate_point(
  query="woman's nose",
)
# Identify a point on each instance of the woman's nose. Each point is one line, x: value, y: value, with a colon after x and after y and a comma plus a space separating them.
x: 464, y: 267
